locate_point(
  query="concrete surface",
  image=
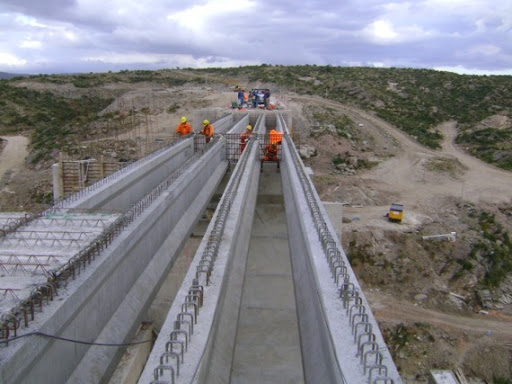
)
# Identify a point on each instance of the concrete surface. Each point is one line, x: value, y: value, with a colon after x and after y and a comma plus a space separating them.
x: 330, y: 353
x: 169, y: 225
x: 267, y: 348
x: 210, y: 352
x: 107, y: 302
x: 273, y: 312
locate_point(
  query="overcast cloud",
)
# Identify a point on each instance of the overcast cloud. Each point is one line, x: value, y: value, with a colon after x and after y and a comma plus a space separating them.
x: 62, y: 36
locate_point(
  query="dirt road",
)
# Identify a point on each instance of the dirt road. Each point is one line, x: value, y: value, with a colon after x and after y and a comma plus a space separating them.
x: 387, y: 309
x: 408, y: 172
x: 416, y: 176
x: 481, y: 181
x: 13, y: 156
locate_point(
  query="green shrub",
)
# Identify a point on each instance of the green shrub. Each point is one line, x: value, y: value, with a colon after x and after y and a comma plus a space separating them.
x: 338, y: 160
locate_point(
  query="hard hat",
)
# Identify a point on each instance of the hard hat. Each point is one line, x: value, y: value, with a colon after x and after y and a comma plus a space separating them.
x: 183, y: 119
x: 249, y: 127
x: 206, y: 122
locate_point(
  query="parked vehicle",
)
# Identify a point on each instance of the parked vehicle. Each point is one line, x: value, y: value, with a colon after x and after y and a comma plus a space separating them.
x: 396, y: 212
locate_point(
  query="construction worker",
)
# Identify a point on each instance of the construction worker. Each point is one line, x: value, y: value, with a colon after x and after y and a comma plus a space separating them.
x: 254, y: 98
x: 183, y: 128
x: 270, y: 152
x: 266, y: 98
x: 244, y: 137
x: 240, y: 98
x: 207, y: 131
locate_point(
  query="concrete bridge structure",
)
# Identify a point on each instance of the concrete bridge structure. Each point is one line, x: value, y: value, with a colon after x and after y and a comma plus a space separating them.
x: 269, y: 297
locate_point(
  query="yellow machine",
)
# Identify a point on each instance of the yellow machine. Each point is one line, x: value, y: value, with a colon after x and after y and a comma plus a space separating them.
x: 396, y: 212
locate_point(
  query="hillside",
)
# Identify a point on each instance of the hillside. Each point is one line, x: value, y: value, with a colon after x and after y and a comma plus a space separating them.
x: 374, y: 137
x: 413, y: 100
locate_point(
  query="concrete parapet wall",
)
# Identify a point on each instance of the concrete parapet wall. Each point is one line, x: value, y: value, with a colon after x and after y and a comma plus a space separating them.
x: 223, y: 124
x: 107, y: 302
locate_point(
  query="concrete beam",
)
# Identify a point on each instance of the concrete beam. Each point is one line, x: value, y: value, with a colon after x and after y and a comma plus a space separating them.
x: 330, y: 354
x: 318, y: 354
x: 108, y: 301
x: 210, y: 354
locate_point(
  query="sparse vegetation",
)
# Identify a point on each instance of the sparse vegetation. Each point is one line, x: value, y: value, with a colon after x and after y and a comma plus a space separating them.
x: 415, y: 100
x: 400, y: 336
x: 494, y: 249
x: 492, y: 145
x: 48, y: 118
x: 501, y: 380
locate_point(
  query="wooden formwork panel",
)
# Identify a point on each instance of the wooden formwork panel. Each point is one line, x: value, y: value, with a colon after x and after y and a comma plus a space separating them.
x: 77, y: 175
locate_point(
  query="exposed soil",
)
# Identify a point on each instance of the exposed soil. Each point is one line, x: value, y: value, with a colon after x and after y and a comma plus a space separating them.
x: 430, y: 319
x: 21, y: 188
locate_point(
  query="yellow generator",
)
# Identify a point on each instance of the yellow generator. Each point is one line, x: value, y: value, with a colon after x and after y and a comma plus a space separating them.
x: 396, y: 212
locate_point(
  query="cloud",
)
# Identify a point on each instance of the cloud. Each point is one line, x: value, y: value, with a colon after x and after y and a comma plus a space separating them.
x: 53, y: 35
x: 31, y: 44
x: 462, y: 70
x: 11, y: 61
x: 485, y: 50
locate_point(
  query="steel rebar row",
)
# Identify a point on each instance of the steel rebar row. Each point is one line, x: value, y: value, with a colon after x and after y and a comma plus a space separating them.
x: 14, y: 224
x: 71, y: 222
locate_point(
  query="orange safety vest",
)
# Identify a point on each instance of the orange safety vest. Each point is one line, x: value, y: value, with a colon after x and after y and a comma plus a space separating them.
x: 207, y: 130
x: 275, y: 137
x: 183, y: 129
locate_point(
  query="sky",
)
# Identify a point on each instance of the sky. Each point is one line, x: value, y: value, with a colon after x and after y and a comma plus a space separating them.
x: 71, y: 36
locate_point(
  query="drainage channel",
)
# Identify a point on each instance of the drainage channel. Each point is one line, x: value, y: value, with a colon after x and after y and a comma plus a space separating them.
x: 267, y: 346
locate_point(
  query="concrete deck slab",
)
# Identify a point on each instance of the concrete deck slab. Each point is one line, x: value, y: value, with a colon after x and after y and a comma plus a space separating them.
x: 29, y: 255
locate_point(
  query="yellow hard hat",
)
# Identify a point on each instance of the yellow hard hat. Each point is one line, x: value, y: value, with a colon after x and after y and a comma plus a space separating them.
x: 249, y: 127
x: 183, y: 119
x: 206, y: 122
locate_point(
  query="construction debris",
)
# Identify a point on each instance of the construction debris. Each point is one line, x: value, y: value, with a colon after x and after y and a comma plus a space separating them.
x: 448, y: 236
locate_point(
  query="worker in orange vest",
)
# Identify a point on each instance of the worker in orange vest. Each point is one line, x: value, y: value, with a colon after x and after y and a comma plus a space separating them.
x: 244, y: 137
x: 207, y: 131
x: 183, y: 128
x: 270, y: 152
